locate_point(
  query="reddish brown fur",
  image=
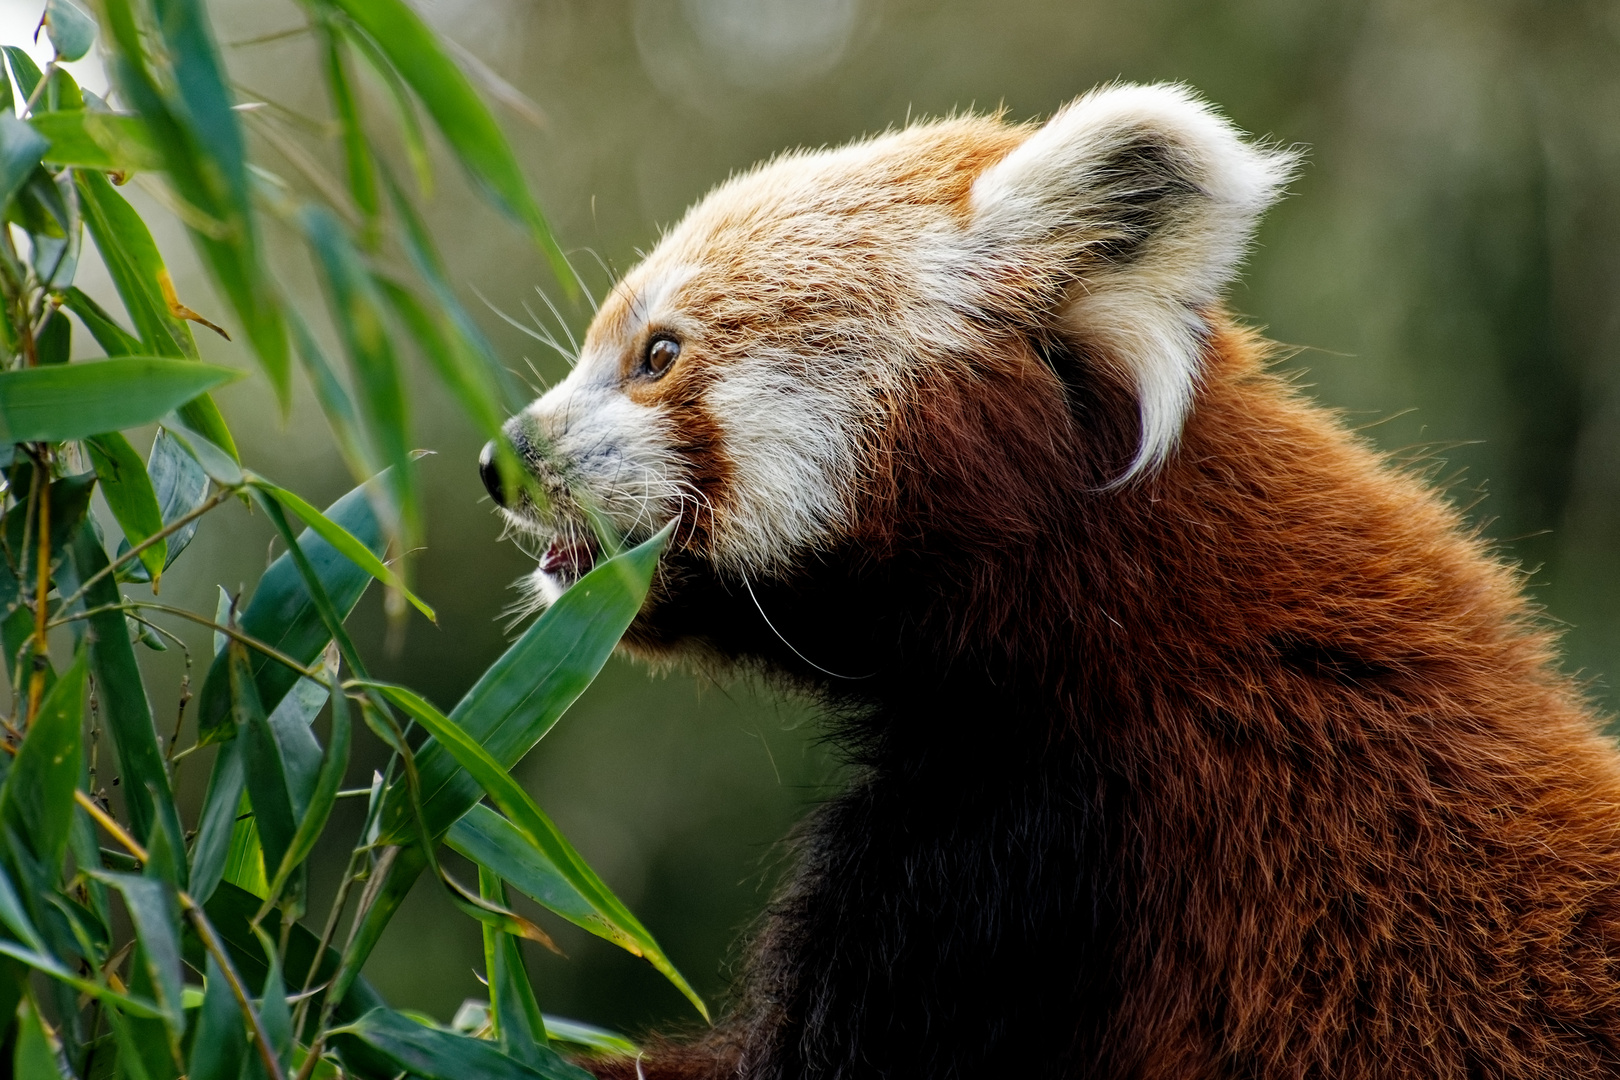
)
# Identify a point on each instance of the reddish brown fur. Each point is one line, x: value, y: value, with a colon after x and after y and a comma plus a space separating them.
x: 1372, y: 831
x: 1265, y: 743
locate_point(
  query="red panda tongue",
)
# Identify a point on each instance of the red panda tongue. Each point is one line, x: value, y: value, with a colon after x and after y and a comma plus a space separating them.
x: 570, y: 559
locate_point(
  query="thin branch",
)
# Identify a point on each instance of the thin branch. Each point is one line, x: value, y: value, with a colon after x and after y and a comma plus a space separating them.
x: 205, y: 932
x: 224, y: 493
x: 229, y: 631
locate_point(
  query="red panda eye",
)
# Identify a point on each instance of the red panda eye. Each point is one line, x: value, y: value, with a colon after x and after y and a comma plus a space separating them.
x: 661, y: 353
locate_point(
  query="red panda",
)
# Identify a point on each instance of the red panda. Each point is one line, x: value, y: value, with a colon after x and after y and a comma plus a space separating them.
x: 1191, y: 737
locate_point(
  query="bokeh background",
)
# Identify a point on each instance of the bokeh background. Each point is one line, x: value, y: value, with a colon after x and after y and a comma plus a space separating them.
x: 1446, y: 271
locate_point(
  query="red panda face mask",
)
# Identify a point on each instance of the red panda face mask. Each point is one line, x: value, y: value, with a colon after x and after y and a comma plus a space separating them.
x: 768, y: 376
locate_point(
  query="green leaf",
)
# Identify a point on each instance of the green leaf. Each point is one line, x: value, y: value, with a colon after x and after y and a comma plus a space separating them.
x: 244, y: 862
x: 125, y: 711
x: 521, y: 695
x: 362, y: 171
x: 340, y: 538
x: 334, y: 398
x: 73, y: 401
x: 180, y: 486
x: 21, y: 148
x: 282, y: 612
x: 156, y: 915
x: 104, y: 141
x: 35, y: 1057
x: 518, y: 1025
x: 459, y: 113
x: 539, y: 831
x: 217, y: 850
x: 327, y: 783
x: 54, y: 342
x: 357, y: 311
x: 495, y: 844
x: 136, y: 266
x: 410, y: 124
x: 129, y: 494
x: 220, y: 1044
x: 266, y: 773
x: 24, y: 68
x: 138, y: 271
x: 51, y: 209
x: 36, y: 802
x: 72, y: 31
x: 588, y: 1037
x: 113, y: 339
x: 209, y: 164
x: 436, y: 1054
x: 231, y: 910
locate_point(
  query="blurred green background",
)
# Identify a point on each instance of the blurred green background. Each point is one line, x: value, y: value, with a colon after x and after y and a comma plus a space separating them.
x: 1447, y: 268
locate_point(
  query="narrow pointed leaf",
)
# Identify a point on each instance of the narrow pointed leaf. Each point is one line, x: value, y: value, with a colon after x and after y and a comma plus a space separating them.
x: 36, y: 802
x: 436, y: 1054
x: 283, y: 614
x: 342, y: 540
x: 35, y: 1057
x: 220, y: 1044
x: 457, y: 110
x: 113, y: 338
x: 180, y: 486
x: 153, y: 910
x: 538, y: 830
x: 520, y: 696
x: 73, y: 401
x: 105, y: 141
x: 313, y: 820
x: 124, y: 708
x: 21, y: 147
x: 357, y: 311
x: 217, y: 823
x: 129, y: 494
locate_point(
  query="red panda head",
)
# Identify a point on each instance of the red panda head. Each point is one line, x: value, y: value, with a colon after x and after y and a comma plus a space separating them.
x: 845, y: 354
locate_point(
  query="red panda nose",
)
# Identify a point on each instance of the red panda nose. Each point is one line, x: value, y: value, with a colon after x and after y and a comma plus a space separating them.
x: 490, y: 475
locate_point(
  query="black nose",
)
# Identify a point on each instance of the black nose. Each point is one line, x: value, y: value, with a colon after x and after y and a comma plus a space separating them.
x: 490, y: 475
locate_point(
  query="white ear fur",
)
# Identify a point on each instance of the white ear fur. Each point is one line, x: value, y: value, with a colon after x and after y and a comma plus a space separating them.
x: 1143, y: 200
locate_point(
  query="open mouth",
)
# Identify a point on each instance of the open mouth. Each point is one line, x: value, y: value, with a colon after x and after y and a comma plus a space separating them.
x: 567, y: 559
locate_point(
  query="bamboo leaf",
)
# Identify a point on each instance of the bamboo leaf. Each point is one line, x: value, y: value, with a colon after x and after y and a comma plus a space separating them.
x: 180, y: 486
x: 518, y: 699
x: 54, y: 342
x: 313, y: 820
x: 156, y: 915
x: 340, y: 538
x: 35, y: 1057
x: 220, y: 1044
x: 113, y: 339
x: 36, y: 803
x: 21, y: 148
x: 362, y: 171
x: 130, y: 495
x: 265, y: 771
x: 539, y: 831
x: 66, y: 402
x: 283, y: 614
x: 459, y: 113
x: 90, y: 139
x: 71, y: 29
x: 357, y: 312
x: 216, y: 846
x: 124, y: 708
x: 135, y: 264
x: 436, y: 1054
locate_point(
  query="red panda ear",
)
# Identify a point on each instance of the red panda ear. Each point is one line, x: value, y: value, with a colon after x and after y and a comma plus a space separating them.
x: 1137, y: 203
